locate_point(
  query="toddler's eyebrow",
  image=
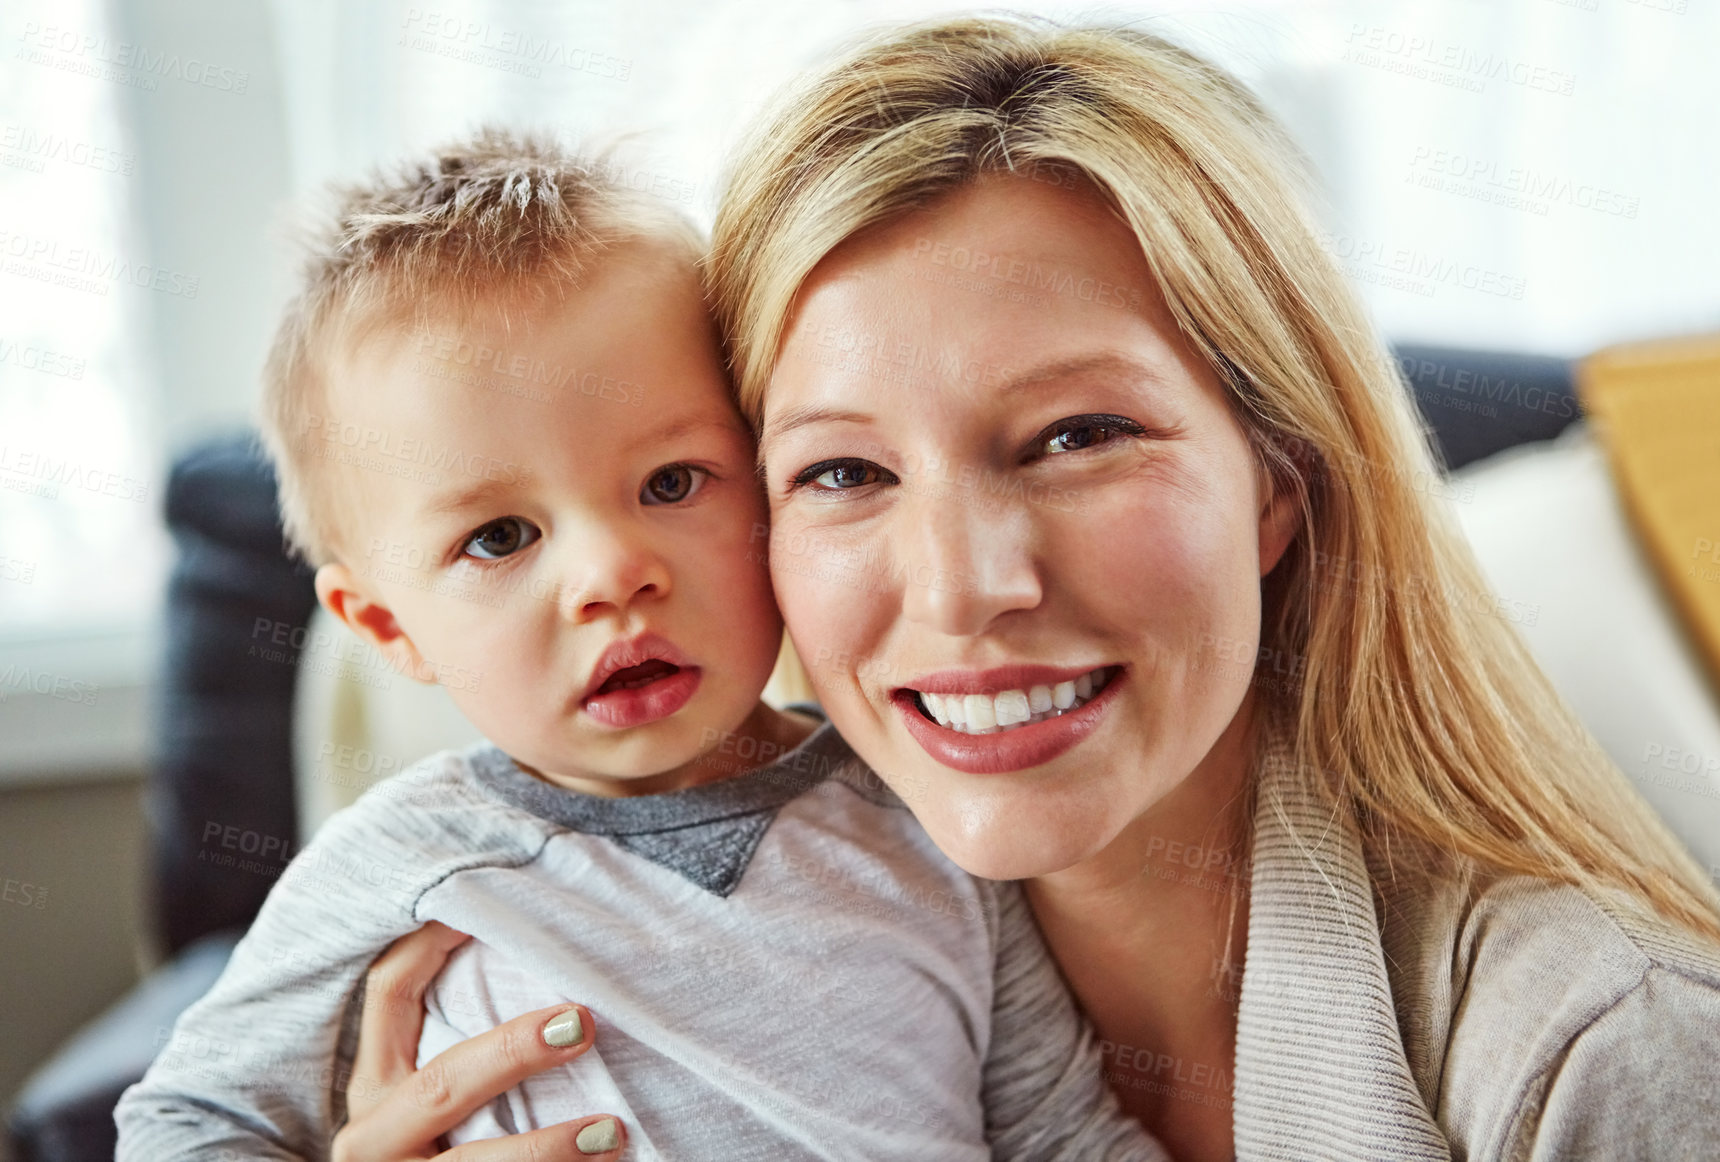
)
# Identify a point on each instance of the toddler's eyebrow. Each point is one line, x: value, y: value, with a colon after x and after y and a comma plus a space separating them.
x: 482, y: 492
x: 679, y: 428
x: 477, y: 494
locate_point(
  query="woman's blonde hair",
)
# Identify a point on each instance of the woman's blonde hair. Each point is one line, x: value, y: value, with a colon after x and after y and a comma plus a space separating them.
x: 1424, y: 709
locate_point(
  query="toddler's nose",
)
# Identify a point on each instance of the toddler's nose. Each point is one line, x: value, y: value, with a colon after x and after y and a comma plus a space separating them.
x: 611, y: 577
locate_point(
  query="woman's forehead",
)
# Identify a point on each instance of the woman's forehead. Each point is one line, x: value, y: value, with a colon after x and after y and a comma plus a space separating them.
x: 980, y: 291
x: 1005, y: 228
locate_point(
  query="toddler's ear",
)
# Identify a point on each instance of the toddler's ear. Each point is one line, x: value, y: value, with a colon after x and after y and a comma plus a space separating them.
x: 341, y: 594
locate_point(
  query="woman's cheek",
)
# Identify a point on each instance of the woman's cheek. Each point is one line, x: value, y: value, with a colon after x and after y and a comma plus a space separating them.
x: 826, y: 620
x: 1130, y: 560
x: 1160, y: 578
x: 812, y: 625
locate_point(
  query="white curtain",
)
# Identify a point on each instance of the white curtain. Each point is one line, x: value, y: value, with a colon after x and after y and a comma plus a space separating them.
x: 1522, y: 174
x: 1532, y: 175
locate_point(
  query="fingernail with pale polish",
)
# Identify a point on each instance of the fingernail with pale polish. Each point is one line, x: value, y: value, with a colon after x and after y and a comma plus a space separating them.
x: 565, y: 1030
x: 599, y: 1137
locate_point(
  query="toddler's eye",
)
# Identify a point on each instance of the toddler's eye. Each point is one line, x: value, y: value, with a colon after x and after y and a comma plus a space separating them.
x: 672, y: 483
x: 501, y: 538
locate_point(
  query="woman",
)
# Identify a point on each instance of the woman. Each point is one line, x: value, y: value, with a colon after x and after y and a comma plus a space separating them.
x: 1103, y: 521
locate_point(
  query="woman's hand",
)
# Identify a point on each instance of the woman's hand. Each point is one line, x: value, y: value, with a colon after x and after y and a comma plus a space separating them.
x: 396, y: 1111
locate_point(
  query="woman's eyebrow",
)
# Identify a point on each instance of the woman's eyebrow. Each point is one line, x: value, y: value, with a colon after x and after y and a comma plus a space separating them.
x: 1111, y: 362
x: 798, y: 417
x: 1105, y: 361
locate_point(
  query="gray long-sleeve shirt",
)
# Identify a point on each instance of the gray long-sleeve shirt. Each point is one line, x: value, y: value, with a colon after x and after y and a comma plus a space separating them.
x: 781, y: 964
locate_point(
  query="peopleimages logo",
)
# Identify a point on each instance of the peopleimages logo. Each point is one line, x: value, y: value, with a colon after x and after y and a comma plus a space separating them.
x: 119, y: 60
x: 378, y: 449
x: 15, y: 679
x: 86, y: 268
x: 46, y: 476
x: 1454, y: 65
x: 1029, y: 273
x: 24, y: 147
x: 30, y: 357
x: 1417, y: 271
x: 1515, y: 187
x: 481, y: 359
x: 1486, y: 390
x: 510, y: 50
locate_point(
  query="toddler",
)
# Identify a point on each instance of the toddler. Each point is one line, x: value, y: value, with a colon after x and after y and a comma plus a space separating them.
x: 504, y: 435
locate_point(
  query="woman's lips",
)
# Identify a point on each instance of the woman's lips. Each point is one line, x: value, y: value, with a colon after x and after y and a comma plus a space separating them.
x: 1017, y: 747
x: 642, y: 694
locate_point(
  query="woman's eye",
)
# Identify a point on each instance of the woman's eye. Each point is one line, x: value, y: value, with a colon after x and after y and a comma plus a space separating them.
x: 1079, y: 433
x: 501, y: 538
x: 844, y: 475
x: 672, y: 484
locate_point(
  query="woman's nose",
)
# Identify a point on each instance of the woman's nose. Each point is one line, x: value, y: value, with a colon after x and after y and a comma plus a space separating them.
x: 610, y: 574
x: 965, y: 562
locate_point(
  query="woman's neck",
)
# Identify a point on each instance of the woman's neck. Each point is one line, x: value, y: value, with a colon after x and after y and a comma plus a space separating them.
x: 1151, y: 934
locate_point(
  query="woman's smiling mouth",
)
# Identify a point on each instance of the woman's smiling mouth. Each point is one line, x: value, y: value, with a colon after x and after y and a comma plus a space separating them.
x: 1006, y: 719
x: 1008, y: 709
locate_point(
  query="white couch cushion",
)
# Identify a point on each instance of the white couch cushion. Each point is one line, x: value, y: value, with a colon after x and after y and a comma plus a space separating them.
x: 1555, y: 546
x: 356, y: 721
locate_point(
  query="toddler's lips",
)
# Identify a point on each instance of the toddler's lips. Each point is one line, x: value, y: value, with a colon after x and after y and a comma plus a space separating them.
x: 633, y: 677
x: 641, y: 694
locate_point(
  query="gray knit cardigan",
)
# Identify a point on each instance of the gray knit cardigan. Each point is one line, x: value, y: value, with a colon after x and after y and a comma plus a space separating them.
x: 1458, y: 1015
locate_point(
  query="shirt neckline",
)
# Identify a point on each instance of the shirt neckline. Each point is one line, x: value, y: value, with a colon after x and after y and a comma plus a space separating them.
x: 764, y: 788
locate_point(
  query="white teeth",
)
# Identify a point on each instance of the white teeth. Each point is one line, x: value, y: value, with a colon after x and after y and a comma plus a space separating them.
x: 1007, y: 709
x: 1011, y: 706
x: 980, y: 711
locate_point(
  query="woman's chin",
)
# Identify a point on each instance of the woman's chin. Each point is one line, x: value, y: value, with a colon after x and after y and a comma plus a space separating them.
x: 1004, y: 845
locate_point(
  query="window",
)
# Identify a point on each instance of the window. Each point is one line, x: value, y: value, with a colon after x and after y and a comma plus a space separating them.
x: 1530, y: 175
x: 80, y: 466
